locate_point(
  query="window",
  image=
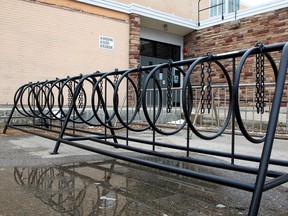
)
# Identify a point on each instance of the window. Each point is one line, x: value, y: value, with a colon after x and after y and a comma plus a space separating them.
x: 233, y: 5
x: 228, y: 5
x: 159, y: 50
x: 216, y: 7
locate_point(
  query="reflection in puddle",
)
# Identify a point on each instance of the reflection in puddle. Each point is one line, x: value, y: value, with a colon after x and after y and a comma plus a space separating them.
x: 113, y: 187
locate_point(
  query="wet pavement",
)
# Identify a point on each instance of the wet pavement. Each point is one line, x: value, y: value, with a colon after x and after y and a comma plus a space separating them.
x: 77, y: 182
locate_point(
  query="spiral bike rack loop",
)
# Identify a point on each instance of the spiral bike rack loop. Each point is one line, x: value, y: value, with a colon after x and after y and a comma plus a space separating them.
x: 138, y: 101
x: 132, y: 110
x: 236, y: 90
x: 187, y: 113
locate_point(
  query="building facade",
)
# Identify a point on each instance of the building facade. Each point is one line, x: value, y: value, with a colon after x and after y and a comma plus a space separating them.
x: 45, y: 39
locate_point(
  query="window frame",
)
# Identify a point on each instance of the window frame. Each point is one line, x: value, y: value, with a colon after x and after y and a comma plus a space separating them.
x: 217, y: 11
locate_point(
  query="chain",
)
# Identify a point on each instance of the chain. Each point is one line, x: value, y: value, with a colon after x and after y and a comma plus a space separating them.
x: 101, y: 91
x: 209, y: 89
x: 202, y: 89
x: 70, y: 92
x: 169, y: 88
x: 116, y: 76
x: 81, y: 97
x: 30, y: 92
x: 260, y: 80
x: 139, y: 86
x: 257, y: 83
x: 45, y: 92
x: 35, y: 92
x: 262, y: 96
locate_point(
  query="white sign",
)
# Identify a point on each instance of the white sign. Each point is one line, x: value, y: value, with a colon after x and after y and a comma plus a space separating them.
x: 106, y: 42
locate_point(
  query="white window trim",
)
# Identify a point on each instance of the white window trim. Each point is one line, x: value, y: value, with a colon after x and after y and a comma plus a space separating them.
x: 226, y: 8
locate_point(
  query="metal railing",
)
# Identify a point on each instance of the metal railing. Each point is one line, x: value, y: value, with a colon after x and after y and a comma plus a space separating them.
x: 209, y: 8
x: 256, y: 123
x: 117, y: 99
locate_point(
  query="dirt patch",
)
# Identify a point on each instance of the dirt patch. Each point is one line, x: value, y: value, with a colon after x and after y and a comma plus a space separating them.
x: 12, y: 132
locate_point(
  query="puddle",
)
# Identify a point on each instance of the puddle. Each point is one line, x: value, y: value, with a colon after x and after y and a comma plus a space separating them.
x: 113, y: 187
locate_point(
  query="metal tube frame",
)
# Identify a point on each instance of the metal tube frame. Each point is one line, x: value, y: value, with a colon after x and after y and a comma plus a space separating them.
x: 50, y: 106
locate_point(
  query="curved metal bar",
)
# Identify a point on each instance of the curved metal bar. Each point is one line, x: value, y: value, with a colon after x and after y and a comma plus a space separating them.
x: 45, y: 111
x: 52, y: 99
x: 187, y: 113
x: 236, y: 91
x: 183, y: 124
x: 157, y: 114
x: 27, y: 89
x: 90, y: 79
x: 102, y: 102
x: 17, y: 99
x: 37, y: 95
x: 116, y: 102
x: 75, y: 81
x: 269, y: 140
x: 48, y: 101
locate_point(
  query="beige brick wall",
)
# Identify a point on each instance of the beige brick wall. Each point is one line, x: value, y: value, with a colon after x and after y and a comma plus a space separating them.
x: 79, y: 6
x: 40, y: 42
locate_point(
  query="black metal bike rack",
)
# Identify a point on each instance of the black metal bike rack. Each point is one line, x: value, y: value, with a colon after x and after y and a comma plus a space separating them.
x: 109, y: 103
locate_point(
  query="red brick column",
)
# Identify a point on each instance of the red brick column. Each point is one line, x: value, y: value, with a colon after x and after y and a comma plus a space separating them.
x: 134, y: 41
x: 134, y: 49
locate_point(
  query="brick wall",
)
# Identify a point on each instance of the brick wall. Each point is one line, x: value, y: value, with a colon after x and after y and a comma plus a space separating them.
x: 134, y: 41
x: 268, y: 28
x: 134, y: 50
x: 74, y: 5
x: 41, y: 41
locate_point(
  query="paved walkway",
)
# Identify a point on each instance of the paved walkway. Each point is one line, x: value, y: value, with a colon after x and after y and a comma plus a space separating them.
x: 104, y: 187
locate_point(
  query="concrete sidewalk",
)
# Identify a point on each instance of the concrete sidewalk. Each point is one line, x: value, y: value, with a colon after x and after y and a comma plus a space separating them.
x: 28, y: 147
x: 151, y: 192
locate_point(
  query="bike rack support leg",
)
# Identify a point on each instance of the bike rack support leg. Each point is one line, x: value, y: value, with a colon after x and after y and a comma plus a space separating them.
x: 9, y: 118
x: 68, y: 115
x: 13, y: 110
x: 268, y: 144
